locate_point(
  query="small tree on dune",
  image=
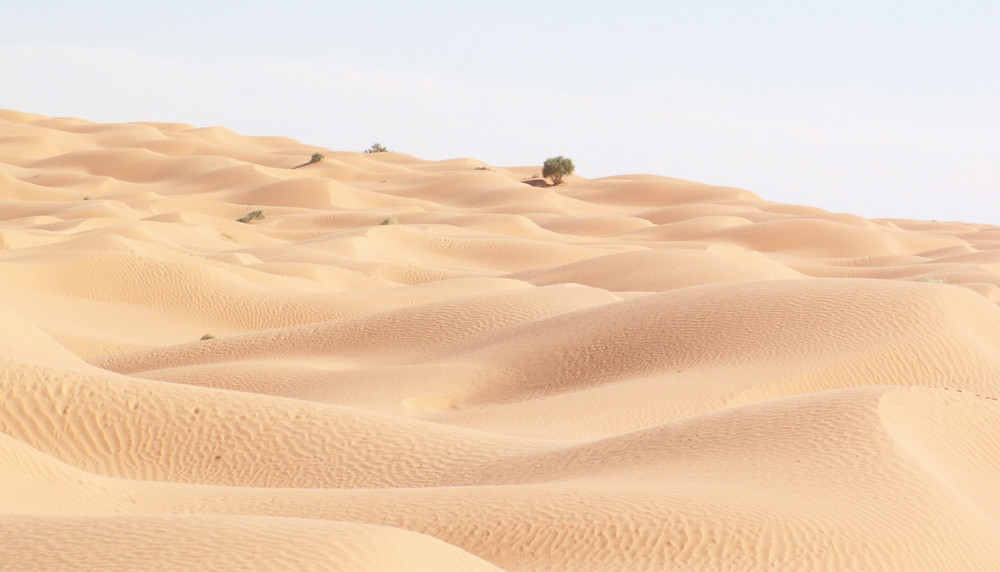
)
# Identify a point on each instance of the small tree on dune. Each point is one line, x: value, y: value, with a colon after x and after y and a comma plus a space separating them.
x: 376, y: 148
x: 556, y: 168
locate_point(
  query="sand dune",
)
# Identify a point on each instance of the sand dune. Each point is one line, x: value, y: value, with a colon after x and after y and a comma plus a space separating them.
x: 410, y: 364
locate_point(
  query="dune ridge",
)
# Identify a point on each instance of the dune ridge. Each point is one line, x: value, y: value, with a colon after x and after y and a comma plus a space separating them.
x: 432, y: 365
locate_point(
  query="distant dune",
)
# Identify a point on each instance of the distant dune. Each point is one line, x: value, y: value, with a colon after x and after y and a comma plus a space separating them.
x: 402, y: 364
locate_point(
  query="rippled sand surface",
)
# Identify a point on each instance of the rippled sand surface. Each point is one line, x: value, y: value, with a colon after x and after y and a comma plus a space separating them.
x: 418, y: 365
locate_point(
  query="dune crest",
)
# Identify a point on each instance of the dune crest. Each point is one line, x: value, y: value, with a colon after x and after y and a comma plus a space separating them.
x: 220, y: 354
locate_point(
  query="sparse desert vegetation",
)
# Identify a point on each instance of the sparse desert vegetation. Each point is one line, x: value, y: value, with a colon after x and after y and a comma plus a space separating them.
x: 252, y: 215
x: 316, y: 158
x: 556, y: 168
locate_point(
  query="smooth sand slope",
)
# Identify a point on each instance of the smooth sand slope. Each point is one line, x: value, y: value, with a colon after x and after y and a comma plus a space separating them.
x: 630, y: 373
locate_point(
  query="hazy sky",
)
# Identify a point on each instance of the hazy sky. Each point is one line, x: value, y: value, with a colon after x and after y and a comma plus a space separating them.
x: 878, y: 108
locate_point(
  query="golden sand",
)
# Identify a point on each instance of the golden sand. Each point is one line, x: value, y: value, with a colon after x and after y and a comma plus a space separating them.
x: 419, y: 365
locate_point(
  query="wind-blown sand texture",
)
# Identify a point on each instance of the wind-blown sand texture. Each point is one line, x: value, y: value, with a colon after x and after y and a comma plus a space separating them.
x: 628, y: 373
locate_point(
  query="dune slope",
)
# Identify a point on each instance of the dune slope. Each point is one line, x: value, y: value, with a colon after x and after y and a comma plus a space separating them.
x: 402, y: 364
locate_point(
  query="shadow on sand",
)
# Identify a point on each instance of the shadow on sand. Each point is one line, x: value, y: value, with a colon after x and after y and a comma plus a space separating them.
x: 536, y: 182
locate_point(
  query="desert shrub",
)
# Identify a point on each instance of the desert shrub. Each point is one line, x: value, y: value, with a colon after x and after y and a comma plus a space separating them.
x: 556, y: 168
x: 207, y: 337
x: 316, y: 158
x: 389, y: 220
x: 376, y: 148
x: 252, y: 215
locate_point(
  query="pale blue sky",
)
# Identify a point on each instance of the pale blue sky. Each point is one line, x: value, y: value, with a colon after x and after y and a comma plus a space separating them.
x: 876, y: 108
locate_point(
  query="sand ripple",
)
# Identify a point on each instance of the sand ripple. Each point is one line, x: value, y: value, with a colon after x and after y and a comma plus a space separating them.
x: 419, y: 365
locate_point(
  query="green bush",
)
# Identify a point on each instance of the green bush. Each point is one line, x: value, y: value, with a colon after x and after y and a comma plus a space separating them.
x: 251, y: 216
x: 316, y: 158
x: 556, y: 168
x: 376, y: 148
